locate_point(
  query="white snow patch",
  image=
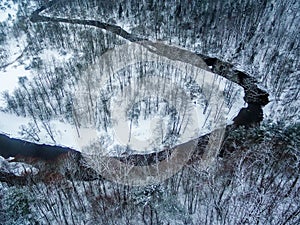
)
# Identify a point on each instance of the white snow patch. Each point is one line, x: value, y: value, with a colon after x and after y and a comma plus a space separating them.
x: 15, y: 46
x: 10, y: 79
x: 9, y: 76
x: 64, y: 134
x: 8, y: 10
x: 17, y: 168
x: 50, y: 54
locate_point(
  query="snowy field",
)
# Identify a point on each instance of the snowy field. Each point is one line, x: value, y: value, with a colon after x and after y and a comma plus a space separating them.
x: 8, y: 10
x: 174, y: 82
x: 206, y: 111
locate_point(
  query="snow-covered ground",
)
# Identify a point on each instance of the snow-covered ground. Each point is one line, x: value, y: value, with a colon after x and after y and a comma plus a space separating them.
x: 14, y: 46
x: 10, y: 75
x: 10, y: 79
x: 207, y: 111
x: 169, y: 82
x: 65, y: 134
x: 149, y: 133
x: 8, y: 10
x: 16, y: 168
x: 54, y: 54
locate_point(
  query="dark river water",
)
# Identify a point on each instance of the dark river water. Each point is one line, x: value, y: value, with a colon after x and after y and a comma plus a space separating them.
x: 11, y: 147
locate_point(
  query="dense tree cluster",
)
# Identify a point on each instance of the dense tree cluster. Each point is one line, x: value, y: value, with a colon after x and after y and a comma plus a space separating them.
x: 257, y: 183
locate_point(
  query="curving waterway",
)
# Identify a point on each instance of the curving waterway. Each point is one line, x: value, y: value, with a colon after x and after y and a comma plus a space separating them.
x: 251, y: 115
